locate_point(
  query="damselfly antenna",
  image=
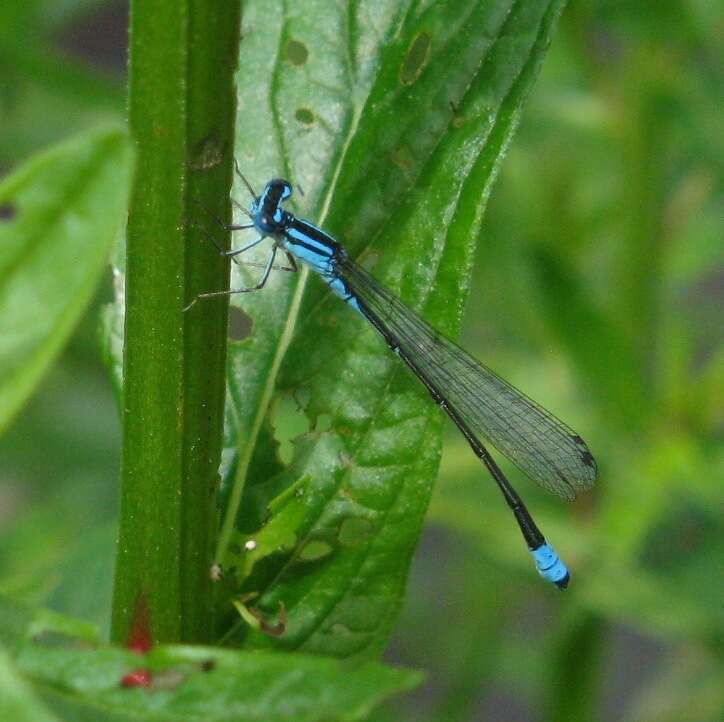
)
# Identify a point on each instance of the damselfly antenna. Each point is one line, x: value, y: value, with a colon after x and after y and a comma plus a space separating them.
x: 244, y: 180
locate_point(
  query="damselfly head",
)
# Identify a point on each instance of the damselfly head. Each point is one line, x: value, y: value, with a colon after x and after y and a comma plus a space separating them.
x: 269, y: 214
x: 278, y: 189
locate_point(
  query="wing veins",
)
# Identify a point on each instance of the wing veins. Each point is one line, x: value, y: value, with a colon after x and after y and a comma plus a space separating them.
x: 536, y: 441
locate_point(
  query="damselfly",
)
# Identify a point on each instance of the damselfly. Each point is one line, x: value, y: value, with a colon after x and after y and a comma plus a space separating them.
x: 481, y: 404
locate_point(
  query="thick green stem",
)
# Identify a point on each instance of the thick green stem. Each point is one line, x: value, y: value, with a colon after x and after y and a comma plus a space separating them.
x: 181, y: 107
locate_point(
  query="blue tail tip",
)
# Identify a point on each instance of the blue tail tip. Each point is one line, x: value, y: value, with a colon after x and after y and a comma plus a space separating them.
x: 550, y: 566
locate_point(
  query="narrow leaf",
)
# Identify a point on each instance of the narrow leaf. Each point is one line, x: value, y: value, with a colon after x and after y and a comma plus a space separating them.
x: 60, y: 214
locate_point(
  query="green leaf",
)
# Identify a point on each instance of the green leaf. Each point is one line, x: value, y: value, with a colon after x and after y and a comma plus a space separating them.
x: 61, y: 212
x: 192, y: 683
x: 288, y: 512
x: 17, y: 702
x: 394, y: 126
x: 20, y: 623
x: 603, y: 353
x: 110, y: 330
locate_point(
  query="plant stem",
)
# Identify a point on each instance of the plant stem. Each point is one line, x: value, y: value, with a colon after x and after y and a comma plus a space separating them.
x: 181, y: 107
x: 575, y: 669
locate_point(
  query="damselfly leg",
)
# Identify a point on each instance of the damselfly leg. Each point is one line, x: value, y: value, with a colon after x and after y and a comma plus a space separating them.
x: 230, y: 292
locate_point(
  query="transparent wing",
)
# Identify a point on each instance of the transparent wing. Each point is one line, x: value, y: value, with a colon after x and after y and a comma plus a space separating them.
x: 538, y: 443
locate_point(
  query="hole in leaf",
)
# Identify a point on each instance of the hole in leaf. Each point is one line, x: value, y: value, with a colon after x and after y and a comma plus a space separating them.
x: 240, y: 324
x: 304, y: 116
x: 315, y: 550
x: 289, y: 423
x: 339, y: 628
x: 7, y: 212
x: 296, y: 52
x: 354, y: 530
x: 403, y: 158
x: 302, y: 396
x: 284, y: 542
x: 416, y: 58
x: 457, y: 119
x: 369, y: 260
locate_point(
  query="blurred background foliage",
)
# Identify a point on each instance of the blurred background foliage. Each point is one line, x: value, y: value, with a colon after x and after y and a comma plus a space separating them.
x: 598, y: 289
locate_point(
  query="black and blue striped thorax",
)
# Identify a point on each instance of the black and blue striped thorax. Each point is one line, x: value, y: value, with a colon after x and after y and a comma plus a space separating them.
x: 267, y: 211
x: 302, y: 239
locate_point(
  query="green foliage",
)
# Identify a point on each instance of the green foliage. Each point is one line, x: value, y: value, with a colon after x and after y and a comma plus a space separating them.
x: 595, y: 290
x: 45, y: 93
x: 84, y: 678
x: 17, y: 702
x: 408, y: 197
x: 61, y: 212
